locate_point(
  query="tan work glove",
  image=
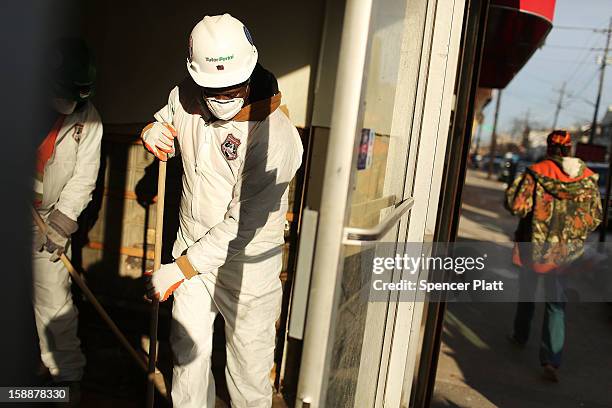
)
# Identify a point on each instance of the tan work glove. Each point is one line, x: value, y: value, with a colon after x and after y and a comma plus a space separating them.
x: 59, y: 229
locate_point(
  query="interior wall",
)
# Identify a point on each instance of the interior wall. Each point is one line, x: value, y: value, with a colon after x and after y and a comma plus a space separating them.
x: 141, y: 49
x: 323, y: 98
x: 328, y: 64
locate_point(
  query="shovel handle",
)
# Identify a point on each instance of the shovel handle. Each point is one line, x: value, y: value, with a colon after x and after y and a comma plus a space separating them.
x: 159, y: 228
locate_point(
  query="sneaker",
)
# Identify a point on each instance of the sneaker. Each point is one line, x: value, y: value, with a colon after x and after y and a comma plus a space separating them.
x: 550, y: 373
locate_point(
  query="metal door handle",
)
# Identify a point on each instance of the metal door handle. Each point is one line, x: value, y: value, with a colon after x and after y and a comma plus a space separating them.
x: 359, y: 236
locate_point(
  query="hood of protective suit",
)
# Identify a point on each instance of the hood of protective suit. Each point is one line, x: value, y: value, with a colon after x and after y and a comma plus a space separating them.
x: 264, y: 96
x: 565, y: 177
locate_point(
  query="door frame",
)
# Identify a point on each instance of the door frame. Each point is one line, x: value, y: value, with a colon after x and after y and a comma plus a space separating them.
x: 441, y: 48
x: 437, y: 67
x: 323, y: 296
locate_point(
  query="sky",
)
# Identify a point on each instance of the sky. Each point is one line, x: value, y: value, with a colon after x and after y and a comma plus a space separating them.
x: 535, y: 87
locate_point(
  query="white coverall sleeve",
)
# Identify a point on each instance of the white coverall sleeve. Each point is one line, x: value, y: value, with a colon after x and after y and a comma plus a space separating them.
x: 78, y: 190
x: 257, y: 197
x: 166, y: 115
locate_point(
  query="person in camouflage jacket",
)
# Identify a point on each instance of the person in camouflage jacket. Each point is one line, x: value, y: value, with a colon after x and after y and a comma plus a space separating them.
x: 558, y: 202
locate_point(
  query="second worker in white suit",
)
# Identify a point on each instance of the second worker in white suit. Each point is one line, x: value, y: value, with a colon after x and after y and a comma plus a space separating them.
x: 239, y: 154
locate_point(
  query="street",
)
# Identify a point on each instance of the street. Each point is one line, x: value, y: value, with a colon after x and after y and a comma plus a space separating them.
x: 478, y: 367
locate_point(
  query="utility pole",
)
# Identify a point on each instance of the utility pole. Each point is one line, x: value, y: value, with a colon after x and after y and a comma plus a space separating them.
x: 559, y: 105
x: 602, y: 71
x: 478, y: 135
x: 526, y: 131
x: 604, y: 227
x: 494, y: 135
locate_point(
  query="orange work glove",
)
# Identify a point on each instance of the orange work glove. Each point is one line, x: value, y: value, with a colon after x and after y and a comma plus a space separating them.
x: 158, y: 138
x: 161, y: 283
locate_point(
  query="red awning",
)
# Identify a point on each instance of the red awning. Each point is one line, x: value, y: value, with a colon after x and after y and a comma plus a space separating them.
x: 515, y: 29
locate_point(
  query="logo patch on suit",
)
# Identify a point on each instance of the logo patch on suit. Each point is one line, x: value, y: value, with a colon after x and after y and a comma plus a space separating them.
x: 230, y: 147
x: 78, y: 130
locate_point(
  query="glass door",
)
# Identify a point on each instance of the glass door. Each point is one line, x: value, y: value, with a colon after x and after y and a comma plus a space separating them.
x: 379, y: 201
x: 378, y: 116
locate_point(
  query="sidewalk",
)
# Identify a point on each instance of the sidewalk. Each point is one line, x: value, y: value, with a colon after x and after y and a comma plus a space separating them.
x: 479, y: 368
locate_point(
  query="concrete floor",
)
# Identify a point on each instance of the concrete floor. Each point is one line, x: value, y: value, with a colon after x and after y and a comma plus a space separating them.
x: 479, y: 368
x: 113, y: 380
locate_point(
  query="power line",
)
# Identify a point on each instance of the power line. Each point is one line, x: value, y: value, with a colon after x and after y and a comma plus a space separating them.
x: 559, y: 105
x: 602, y: 70
x: 593, y: 29
x: 557, y: 60
x: 543, y: 103
x: 572, y: 47
x: 584, y: 100
x: 587, y: 83
x: 531, y: 100
x: 575, y: 112
x: 584, y: 87
x: 538, y: 99
x: 583, y: 58
x: 537, y: 78
x: 580, y: 118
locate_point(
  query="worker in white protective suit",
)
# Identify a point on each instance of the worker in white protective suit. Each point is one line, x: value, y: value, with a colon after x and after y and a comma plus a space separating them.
x: 67, y: 165
x: 239, y: 153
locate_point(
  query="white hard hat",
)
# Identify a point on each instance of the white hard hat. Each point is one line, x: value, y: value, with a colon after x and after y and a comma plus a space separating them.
x: 221, y: 52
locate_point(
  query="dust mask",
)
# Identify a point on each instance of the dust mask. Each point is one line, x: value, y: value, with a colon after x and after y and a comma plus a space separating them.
x: 63, y: 106
x: 224, y: 109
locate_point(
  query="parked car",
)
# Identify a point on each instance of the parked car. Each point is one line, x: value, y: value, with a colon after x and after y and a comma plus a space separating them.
x: 509, y: 169
x: 476, y: 161
x: 497, y: 164
x: 522, y: 165
x: 603, y: 170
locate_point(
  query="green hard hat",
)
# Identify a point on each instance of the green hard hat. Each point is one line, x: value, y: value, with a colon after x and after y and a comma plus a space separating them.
x: 74, y: 69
